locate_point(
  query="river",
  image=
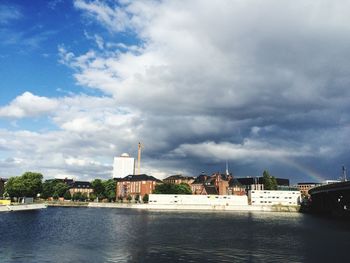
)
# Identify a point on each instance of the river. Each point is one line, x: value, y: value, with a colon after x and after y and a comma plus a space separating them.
x: 125, y: 235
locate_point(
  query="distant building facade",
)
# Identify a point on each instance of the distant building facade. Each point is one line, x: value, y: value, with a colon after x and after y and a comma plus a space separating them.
x: 257, y: 183
x: 81, y: 187
x: 195, y: 200
x: 305, y: 187
x: 123, y: 165
x: 179, y: 179
x: 217, y: 184
x: 135, y: 185
x: 273, y: 197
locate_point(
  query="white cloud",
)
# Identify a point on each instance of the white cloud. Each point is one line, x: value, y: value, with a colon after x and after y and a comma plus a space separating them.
x: 202, y: 81
x: 113, y: 17
x: 28, y: 105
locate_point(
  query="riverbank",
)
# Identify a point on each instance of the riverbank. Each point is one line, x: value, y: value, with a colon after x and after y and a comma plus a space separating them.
x: 67, y: 204
x: 21, y: 207
x: 275, y: 208
x: 147, y: 206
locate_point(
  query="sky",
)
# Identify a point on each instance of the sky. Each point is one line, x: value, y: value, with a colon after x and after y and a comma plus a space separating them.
x: 263, y: 85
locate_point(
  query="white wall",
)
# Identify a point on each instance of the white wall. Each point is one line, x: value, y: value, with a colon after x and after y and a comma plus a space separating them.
x: 271, y: 197
x: 123, y: 166
x: 199, y: 199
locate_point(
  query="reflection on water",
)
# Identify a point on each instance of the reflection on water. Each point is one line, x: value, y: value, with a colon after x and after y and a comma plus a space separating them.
x: 113, y: 235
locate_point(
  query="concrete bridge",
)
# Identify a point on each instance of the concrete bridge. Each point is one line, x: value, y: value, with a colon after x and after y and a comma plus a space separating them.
x: 331, y: 199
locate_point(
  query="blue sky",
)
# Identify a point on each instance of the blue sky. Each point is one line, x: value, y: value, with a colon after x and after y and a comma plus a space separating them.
x: 263, y: 86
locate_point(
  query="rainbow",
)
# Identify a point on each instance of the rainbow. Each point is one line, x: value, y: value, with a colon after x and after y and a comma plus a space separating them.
x: 305, y: 170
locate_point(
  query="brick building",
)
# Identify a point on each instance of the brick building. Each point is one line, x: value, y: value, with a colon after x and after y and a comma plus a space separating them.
x: 197, y: 185
x: 135, y: 185
x: 220, y: 184
x: 305, y: 187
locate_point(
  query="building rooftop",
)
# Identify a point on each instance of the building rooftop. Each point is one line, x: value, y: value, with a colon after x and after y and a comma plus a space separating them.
x: 138, y: 177
x: 178, y: 176
x: 234, y: 183
x: 81, y: 184
x: 200, y: 179
x: 210, y: 190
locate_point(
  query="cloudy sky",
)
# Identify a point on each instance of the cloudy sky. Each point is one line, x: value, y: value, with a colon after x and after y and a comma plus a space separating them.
x: 261, y: 84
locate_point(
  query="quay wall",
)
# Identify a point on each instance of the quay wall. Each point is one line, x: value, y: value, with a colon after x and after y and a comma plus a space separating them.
x: 10, y: 208
x: 189, y: 207
x: 207, y: 200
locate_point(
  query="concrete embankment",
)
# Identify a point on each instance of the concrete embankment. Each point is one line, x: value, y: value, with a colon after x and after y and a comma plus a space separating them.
x: 10, y: 208
x: 68, y: 204
x: 197, y: 207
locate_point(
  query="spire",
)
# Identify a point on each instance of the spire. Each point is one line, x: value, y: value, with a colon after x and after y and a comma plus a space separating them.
x: 227, y: 173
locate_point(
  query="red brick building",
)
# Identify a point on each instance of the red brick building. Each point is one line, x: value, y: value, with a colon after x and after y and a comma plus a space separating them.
x: 220, y: 184
x: 305, y: 187
x: 135, y: 185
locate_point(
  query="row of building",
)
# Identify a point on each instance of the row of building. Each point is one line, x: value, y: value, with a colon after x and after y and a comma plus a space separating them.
x: 215, y: 184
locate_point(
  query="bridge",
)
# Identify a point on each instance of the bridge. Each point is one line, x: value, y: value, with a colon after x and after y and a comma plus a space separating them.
x: 331, y: 199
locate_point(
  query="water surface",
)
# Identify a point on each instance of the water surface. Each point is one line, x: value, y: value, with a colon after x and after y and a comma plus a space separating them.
x: 123, y: 235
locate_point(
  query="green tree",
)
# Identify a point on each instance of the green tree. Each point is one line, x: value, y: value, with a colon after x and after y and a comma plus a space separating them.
x: 32, y: 183
x: 167, y: 188
x: 14, y: 187
x: 47, y: 189
x: 60, y: 189
x: 129, y: 198
x: 270, y: 182
x: 29, y: 184
x: 99, y: 188
x: 76, y: 196
x: 92, y: 196
x: 83, y: 197
x: 55, y: 196
x: 145, y: 198
x: 53, y: 187
x: 110, y: 189
x: 67, y: 195
x: 184, y: 189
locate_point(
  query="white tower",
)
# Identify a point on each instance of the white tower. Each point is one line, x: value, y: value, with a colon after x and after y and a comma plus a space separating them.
x: 123, y: 165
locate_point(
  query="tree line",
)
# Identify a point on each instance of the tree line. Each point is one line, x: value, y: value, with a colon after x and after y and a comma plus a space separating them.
x: 31, y: 184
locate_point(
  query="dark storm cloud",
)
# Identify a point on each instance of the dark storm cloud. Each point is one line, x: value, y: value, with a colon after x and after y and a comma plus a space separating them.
x: 263, y: 85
